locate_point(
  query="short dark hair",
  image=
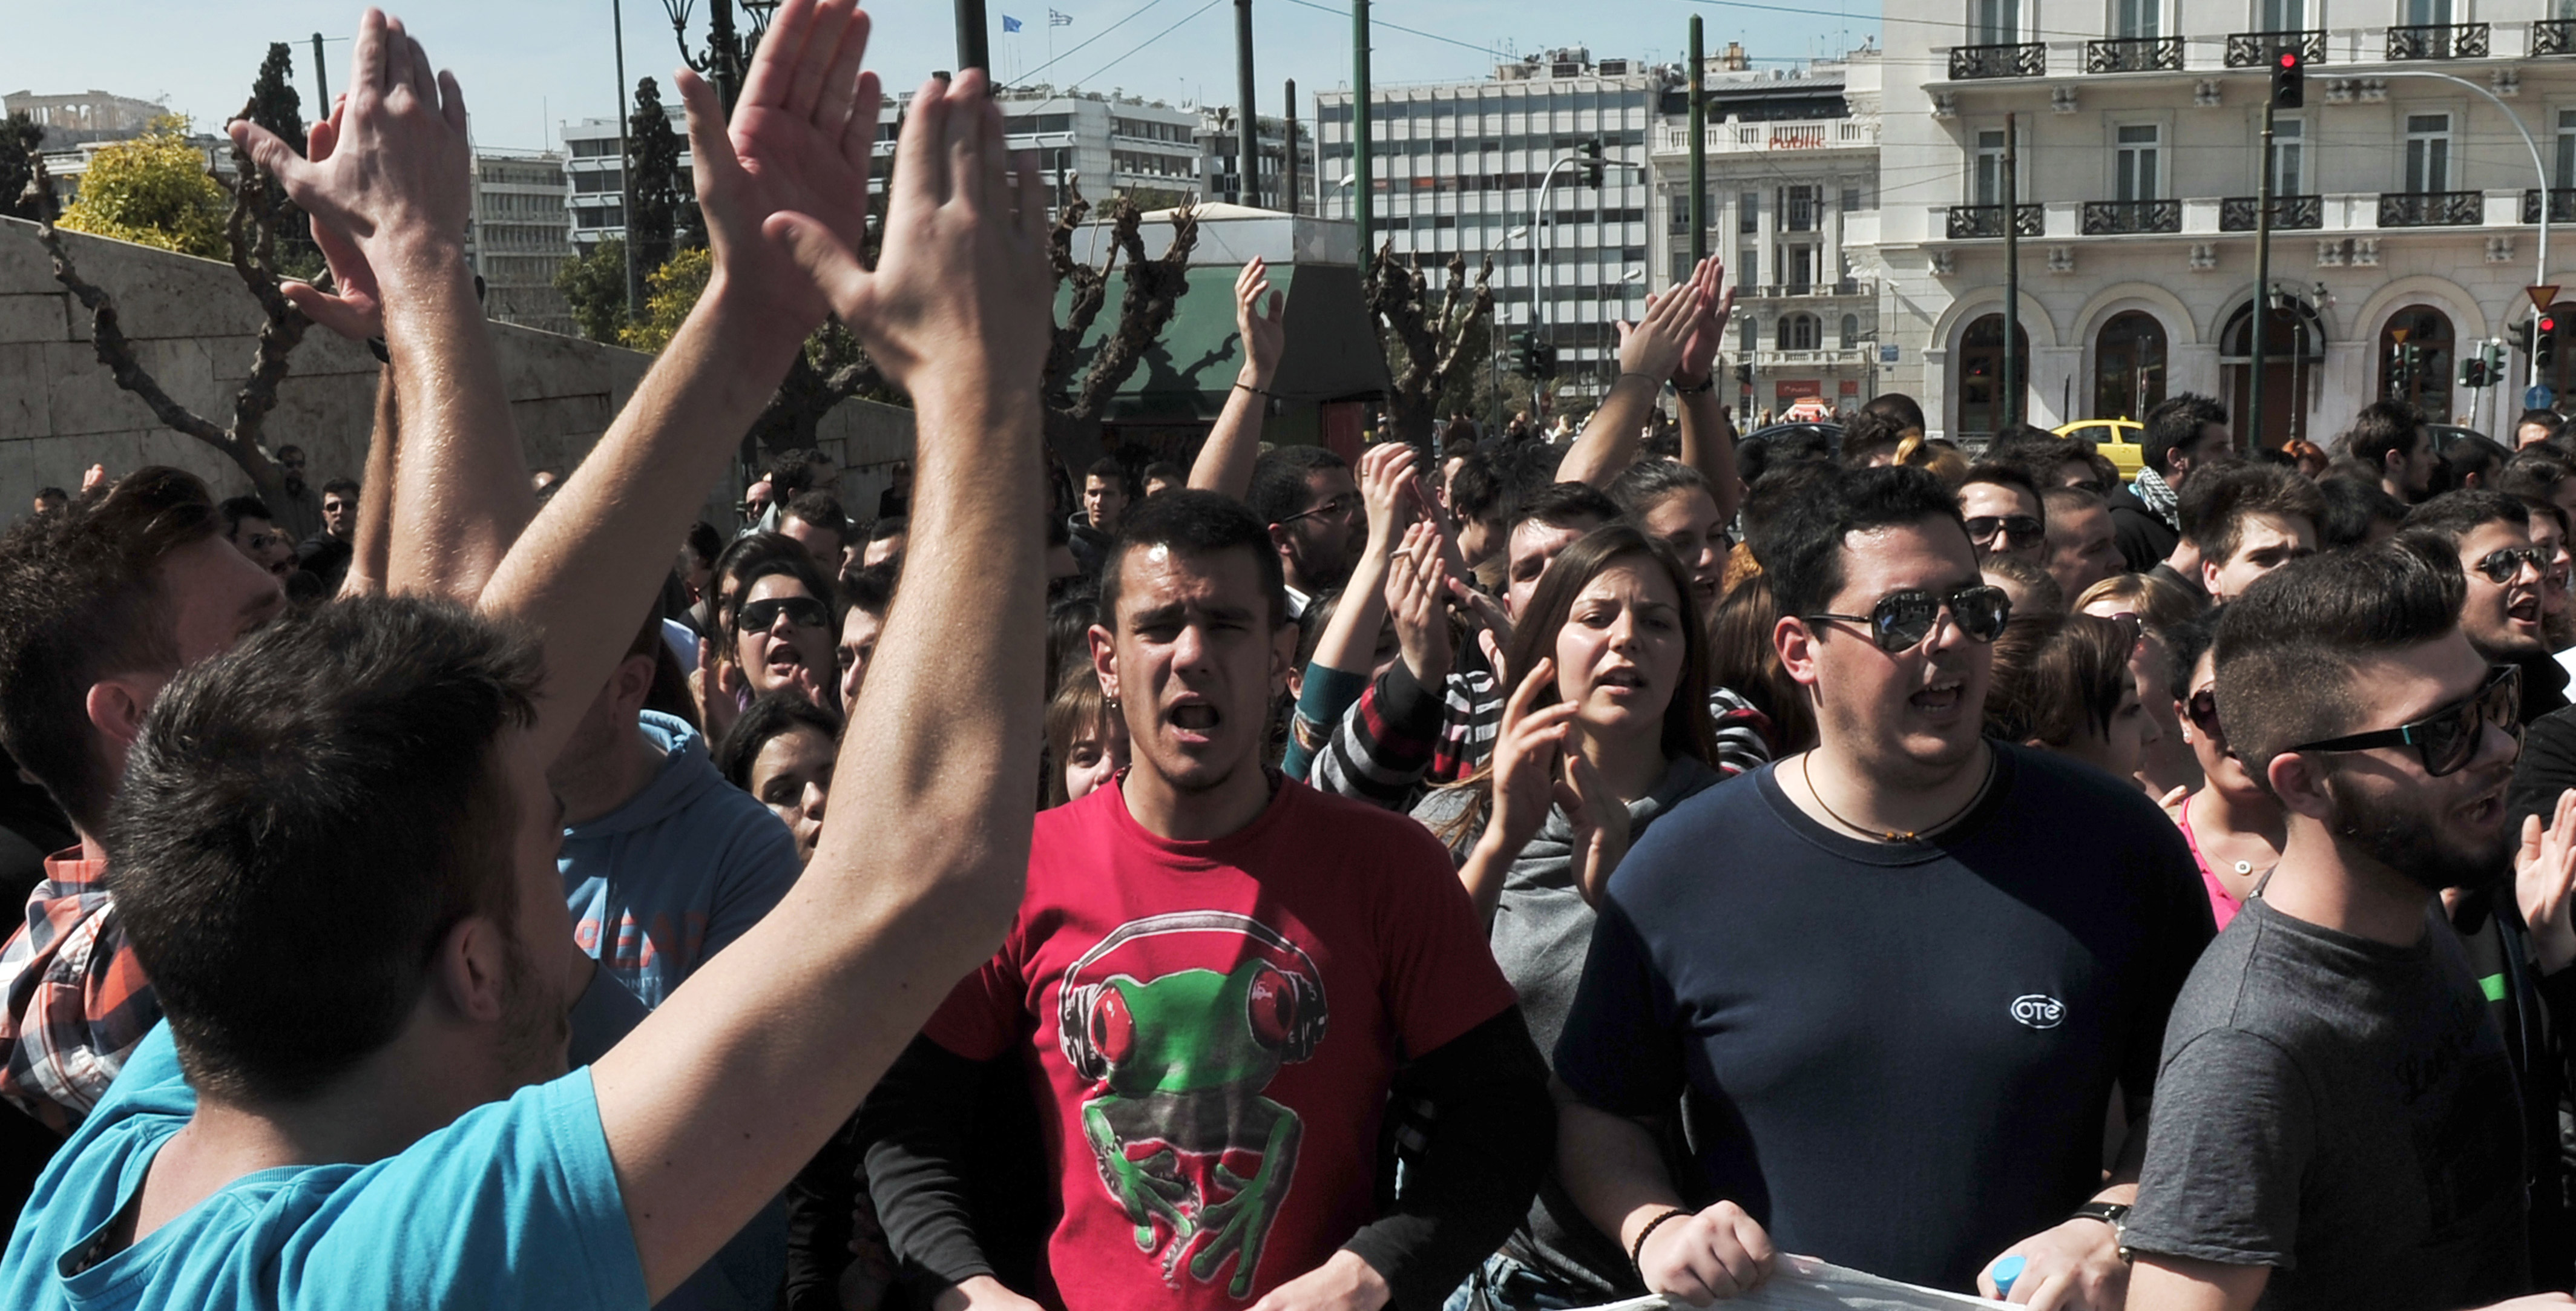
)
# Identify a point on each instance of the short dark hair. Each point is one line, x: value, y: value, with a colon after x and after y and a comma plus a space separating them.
x: 704, y: 542
x: 2006, y: 474
x: 1165, y: 471
x: 303, y: 817
x: 893, y: 525
x: 2192, y: 500
x: 289, y: 448
x: 871, y: 588
x: 1803, y: 560
x: 1896, y: 405
x: 1476, y: 489
x: 2555, y: 422
x: 1279, y: 480
x: 1646, y: 483
x: 1195, y: 523
x: 2039, y: 586
x: 340, y: 487
x: 2383, y: 428
x: 736, y: 563
x: 2472, y: 455
x: 2184, y: 643
x: 79, y: 601
x: 1783, y: 449
x: 1872, y: 431
x: 2553, y: 509
x: 2056, y: 675
x: 2287, y: 648
x: 1107, y: 469
x: 52, y: 494
x: 1564, y: 505
x: 2454, y: 515
x: 2177, y: 421
x: 2250, y: 489
x: 2351, y: 507
x: 769, y: 715
x: 2058, y: 501
x: 820, y: 509
x: 234, y: 509
x: 2533, y: 473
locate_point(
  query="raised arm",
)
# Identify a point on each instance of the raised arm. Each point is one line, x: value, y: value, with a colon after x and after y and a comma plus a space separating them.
x: 1234, y: 444
x: 370, y: 563
x: 715, y: 1101
x: 1708, y: 439
x: 1648, y: 350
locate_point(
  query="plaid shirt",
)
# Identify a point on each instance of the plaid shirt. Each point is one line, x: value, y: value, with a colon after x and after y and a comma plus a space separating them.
x: 73, y: 1000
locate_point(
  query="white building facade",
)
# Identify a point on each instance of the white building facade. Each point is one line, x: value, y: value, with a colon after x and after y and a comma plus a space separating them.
x: 1459, y: 167
x: 595, y: 174
x: 1221, y: 161
x: 2404, y: 234
x: 521, y: 236
x: 1108, y: 146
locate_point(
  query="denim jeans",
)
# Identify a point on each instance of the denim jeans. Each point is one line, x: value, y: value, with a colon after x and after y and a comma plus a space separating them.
x: 1503, y: 1284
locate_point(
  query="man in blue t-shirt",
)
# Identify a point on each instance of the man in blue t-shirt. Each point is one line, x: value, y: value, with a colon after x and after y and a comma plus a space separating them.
x: 1902, y: 972
x: 335, y: 847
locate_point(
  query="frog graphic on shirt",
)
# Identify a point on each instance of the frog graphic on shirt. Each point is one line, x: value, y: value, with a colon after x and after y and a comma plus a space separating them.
x: 1186, y: 1144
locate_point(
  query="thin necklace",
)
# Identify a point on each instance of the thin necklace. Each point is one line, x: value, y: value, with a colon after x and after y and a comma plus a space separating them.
x: 1807, y: 770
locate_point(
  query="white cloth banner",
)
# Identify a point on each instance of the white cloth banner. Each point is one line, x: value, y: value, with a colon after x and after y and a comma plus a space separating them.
x: 1803, y: 1283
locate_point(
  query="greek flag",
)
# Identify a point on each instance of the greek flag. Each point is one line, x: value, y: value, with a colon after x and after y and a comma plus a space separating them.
x: 1010, y: 24
x: 1055, y: 19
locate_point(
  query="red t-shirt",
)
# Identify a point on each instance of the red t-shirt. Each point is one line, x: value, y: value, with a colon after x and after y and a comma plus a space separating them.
x: 1216, y: 1026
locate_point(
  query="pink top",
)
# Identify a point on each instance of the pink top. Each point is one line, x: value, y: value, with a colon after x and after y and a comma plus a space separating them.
x: 2222, y: 904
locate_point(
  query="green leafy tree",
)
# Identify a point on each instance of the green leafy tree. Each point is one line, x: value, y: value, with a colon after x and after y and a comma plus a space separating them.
x: 153, y: 189
x: 275, y: 105
x: 594, y: 288
x: 653, y: 208
x: 670, y: 292
x: 20, y: 138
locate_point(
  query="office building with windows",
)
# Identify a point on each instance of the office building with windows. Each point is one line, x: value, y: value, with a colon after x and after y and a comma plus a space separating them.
x: 1143, y: 149
x: 1793, y: 162
x: 1462, y: 168
x: 520, y: 236
x: 1221, y: 156
x: 2405, y: 229
x: 593, y: 169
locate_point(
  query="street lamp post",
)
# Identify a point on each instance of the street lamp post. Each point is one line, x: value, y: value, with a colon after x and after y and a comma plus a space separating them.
x: 727, y: 55
x: 2540, y: 273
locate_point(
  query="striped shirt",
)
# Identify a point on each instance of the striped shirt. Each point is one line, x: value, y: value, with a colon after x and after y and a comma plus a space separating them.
x: 73, y: 999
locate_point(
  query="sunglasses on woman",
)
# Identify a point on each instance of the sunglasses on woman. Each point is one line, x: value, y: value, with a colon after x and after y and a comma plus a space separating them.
x: 2448, y: 738
x: 804, y: 611
x: 1901, y: 620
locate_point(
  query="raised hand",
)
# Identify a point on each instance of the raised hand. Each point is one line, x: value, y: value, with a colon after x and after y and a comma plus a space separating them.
x: 395, y: 176
x: 1600, y: 823
x: 1652, y: 346
x: 1414, y: 577
x: 801, y: 141
x: 353, y: 307
x: 963, y: 275
x: 1385, y: 475
x: 2544, y: 884
x: 1260, y: 316
x: 1525, y: 755
x: 1708, y: 329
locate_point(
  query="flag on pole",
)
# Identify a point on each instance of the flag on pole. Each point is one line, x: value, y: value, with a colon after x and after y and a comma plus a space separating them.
x: 1010, y: 24
x: 1055, y: 19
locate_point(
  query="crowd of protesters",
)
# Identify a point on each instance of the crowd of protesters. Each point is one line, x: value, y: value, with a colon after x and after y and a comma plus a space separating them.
x: 1519, y: 870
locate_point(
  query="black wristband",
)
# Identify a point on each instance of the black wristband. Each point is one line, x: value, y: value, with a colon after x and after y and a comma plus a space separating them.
x: 1637, y: 1250
x: 1706, y: 385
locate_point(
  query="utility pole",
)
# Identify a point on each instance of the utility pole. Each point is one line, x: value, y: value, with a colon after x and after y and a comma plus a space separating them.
x: 2013, y: 381
x: 626, y: 169
x: 1362, y: 194
x: 1698, y: 146
x: 1289, y: 198
x: 2262, y: 291
x: 974, y: 40
x: 1251, y: 188
x: 321, y: 80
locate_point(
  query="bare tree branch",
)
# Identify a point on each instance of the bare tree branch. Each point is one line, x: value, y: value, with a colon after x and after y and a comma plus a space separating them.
x: 1433, y: 341
x: 1154, y: 288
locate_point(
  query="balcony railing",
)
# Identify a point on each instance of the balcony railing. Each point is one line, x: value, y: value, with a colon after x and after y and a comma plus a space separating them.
x: 1804, y: 134
x: 1786, y: 290
x: 2432, y: 209
x: 2028, y: 59
x: 1972, y: 221
x: 2134, y: 54
x: 2254, y: 49
x: 2562, y: 205
x: 2289, y: 213
x: 2554, y: 36
x: 2438, y: 41
x: 2106, y: 218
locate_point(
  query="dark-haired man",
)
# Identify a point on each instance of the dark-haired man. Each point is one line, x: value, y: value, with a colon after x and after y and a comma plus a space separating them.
x: 2537, y: 426
x: 2357, y: 512
x: 2082, y: 550
x: 2501, y: 613
x: 1216, y: 979
x: 2251, y: 519
x: 870, y: 592
x: 299, y: 510
x: 815, y: 521
x: 282, y: 1140
x: 252, y: 530
x: 2340, y: 1126
x: 1095, y: 521
x: 1763, y: 947
x: 50, y: 499
x: 2004, y: 515
x: 327, y: 552
x: 1318, y: 524
x: 2389, y: 437
x: 2182, y: 434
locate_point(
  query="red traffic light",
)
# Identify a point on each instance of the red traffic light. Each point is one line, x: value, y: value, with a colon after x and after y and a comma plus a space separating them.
x: 2289, y: 59
x: 2548, y: 324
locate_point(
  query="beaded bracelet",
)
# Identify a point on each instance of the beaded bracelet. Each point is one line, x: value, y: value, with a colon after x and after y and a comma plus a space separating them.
x: 1637, y: 1250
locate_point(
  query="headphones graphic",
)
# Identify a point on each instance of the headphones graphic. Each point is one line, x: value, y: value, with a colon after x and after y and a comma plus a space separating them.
x: 1287, y: 1005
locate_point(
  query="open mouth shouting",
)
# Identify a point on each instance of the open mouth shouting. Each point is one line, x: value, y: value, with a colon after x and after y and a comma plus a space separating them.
x: 1193, y: 719
x: 1941, y: 698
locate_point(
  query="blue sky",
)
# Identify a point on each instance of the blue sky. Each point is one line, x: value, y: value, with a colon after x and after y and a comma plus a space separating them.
x: 529, y: 64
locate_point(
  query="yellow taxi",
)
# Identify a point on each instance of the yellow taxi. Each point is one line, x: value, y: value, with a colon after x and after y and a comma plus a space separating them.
x: 2117, y: 439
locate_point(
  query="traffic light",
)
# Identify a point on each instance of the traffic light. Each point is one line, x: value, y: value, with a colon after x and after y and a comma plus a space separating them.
x: 2544, y: 339
x: 1524, y: 356
x: 1545, y: 356
x: 2495, y: 361
x: 1590, y: 153
x: 2473, y: 370
x: 2520, y: 332
x: 2289, y: 79
x: 1744, y: 375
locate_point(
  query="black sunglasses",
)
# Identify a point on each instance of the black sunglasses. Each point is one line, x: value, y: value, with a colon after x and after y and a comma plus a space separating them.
x: 2504, y: 564
x: 2018, y: 529
x: 757, y: 616
x: 1901, y: 620
x: 1339, y: 507
x: 2447, y: 738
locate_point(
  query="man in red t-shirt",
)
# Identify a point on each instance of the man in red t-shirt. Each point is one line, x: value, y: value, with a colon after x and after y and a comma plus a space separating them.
x: 1216, y: 980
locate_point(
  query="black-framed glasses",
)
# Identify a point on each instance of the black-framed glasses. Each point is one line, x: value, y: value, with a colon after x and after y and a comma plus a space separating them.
x: 2018, y: 529
x: 1340, y: 507
x: 758, y: 616
x: 1901, y: 620
x: 2505, y: 563
x: 2201, y: 708
x: 2447, y: 739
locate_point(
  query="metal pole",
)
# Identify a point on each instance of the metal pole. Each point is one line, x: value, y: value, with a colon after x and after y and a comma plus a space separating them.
x: 724, y: 54
x: 974, y: 35
x: 2540, y: 274
x: 1251, y: 188
x: 2262, y: 292
x: 1698, y: 146
x: 1362, y: 164
x: 2013, y: 381
x: 625, y: 171
x: 1290, y: 200
x: 321, y: 80
x: 1541, y: 224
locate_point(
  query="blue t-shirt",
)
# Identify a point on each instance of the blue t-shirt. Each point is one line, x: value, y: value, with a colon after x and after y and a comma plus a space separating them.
x: 1900, y: 1054
x: 513, y: 1205
x: 672, y: 877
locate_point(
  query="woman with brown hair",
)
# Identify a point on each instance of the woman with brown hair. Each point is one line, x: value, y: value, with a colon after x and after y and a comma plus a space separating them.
x: 2062, y: 683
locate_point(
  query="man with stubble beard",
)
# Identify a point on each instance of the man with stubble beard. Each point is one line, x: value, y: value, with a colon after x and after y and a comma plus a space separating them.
x: 2340, y: 1124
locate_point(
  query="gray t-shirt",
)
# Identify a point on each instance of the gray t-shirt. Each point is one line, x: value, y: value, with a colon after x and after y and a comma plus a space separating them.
x: 2340, y: 1110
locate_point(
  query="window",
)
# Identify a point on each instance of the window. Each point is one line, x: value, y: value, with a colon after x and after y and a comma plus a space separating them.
x: 2132, y: 19
x: 2134, y: 168
x: 2128, y: 366
x: 1798, y: 207
x: 1980, y: 365
x: 2280, y: 15
x: 2427, y: 12
x: 1989, y: 176
x: 1748, y: 212
x: 2289, y: 156
x: 1994, y: 22
x: 1800, y: 332
x: 1751, y: 332
x: 1851, y: 199
x: 1748, y: 267
x: 1851, y: 331
x: 1797, y: 265
x: 2415, y: 360
x: 2565, y: 176
x: 2428, y: 152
